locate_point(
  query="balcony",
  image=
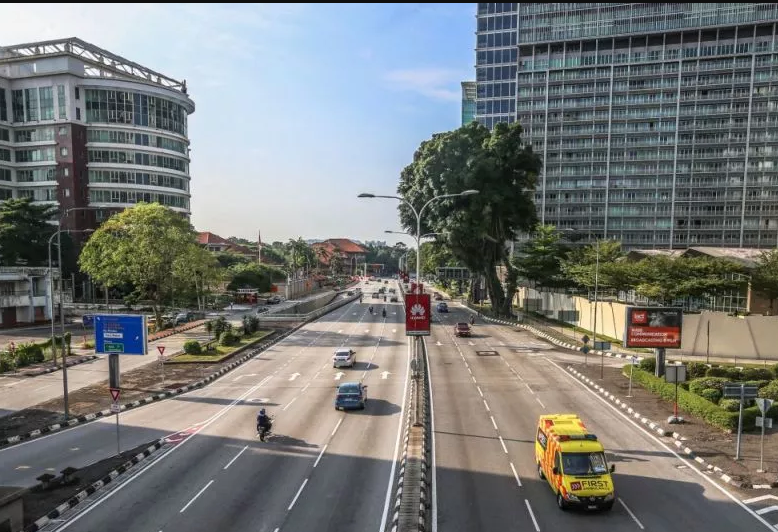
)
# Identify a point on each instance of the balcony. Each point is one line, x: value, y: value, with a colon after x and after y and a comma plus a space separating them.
x: 22, y: 299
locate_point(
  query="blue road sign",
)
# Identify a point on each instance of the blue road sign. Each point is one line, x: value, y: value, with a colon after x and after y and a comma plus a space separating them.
x: 120, y: 334
x: 88, y: 320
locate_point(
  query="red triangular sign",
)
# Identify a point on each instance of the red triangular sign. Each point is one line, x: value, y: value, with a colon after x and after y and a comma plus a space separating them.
x: 161, y: 349
x: 115, y: 393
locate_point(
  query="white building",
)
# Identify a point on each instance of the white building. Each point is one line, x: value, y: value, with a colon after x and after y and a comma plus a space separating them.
x: 82, y: 127
x: 25, y: 296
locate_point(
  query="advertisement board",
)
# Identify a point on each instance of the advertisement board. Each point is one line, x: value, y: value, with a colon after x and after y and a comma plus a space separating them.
x: 417, y: 314
x: 653, y: 327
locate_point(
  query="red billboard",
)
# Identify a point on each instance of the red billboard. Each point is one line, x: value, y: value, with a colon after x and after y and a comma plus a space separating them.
x: 417, y: 314
x: 653, y: 327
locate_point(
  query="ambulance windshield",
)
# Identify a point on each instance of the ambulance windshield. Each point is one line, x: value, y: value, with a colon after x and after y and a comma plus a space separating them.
x: 584, y: 464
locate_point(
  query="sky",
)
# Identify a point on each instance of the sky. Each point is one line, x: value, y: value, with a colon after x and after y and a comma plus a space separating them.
x: 299, y: 107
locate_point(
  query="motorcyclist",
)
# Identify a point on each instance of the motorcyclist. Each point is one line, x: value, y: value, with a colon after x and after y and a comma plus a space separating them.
x: 370, y: 308
x: 383, y: 313
x: 264, y: 420
x: 472, y: 320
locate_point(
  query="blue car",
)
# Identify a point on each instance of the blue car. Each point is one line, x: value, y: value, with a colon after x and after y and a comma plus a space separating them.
x: 442, y: 307
x: 351, y: 395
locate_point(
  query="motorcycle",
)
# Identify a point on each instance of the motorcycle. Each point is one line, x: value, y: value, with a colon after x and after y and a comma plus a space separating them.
x: 383, y: 313
x: 263, y: 432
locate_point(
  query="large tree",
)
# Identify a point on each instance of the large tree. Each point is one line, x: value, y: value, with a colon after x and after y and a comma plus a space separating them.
x: 255, y: 276
x: 25, y: 232
x: 540, y: 259
x: 142, y: 246
x: 503, y: 169
x: 580, y: 266
x: 764, y: 278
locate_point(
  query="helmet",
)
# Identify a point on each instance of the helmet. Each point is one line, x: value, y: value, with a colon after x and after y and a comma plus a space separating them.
x: 262, y: 411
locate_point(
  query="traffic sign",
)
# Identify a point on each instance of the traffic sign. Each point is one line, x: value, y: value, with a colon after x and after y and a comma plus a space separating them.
x: 585, y: 339
x: 764, y: 422
x: 737, y: 390
x: 634, y: 360
x: 121, y: 334
x: 116, y: 408
x: 161, y: 349
x: 115, y: 393
x: 764, y: 404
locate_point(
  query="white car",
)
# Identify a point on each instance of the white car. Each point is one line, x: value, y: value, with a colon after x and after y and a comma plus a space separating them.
x: 344, y: 357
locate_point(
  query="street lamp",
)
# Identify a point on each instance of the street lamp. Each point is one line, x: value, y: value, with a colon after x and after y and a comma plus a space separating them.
x: 418, y: 215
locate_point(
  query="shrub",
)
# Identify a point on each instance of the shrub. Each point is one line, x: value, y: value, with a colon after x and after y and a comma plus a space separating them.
x: 757, y: 374
x: 730, y: 405
x: 254, y: 324
x: 770, y: 391
x: 716, y: 371
x: 774, y: 369
x: 648, y: 364
x: 695, y: 370
x: 192, y: 347
x: 6, y: 363
x: 698, y: 385
x: 26, y: 354
x: 246, y: 326
x: 733, y: 373
x: 220, y: 325
x: 759, y: 384
x: 711, y: 394
x: 228, y: 338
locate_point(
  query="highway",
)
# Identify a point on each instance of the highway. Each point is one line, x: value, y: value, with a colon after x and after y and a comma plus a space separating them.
x: 321, y: 469
x: 485, y: 409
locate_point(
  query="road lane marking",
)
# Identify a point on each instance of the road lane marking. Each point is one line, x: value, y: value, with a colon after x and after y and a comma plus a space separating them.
x: 631, y: 514
x: 336, y: 427
x: 394, y: 331
x: 494, y: 423
x: 298, y: 495
x: 195, y: 497
x: 532, y: 515
x: 515, y: 474
x: 502, y: 442
x: 487, y: 406
x: 760, y: 499
x: 289, y: 404
x: 305, y: 387
x: 22, y: 467
x: 530, y: 389
x: 320, y: 455
x: 13, y: 384
x: 473, y: 377
x: 767, y: 510
x: 539, y: 401
x: 236, y: 456
x: 669, y: 449
x: 43, y: 387
x: 479, y: 391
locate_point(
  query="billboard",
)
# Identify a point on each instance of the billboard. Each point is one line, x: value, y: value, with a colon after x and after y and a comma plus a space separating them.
x: 120, y: 334
x: 653, y: 327
x: 417, y: 314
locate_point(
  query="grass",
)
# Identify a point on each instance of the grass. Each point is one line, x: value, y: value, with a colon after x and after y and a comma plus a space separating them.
x: 221, y: 352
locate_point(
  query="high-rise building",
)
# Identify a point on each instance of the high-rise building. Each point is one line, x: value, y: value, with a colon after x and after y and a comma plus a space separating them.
x: 468, y: 102
x: 657, y: 123
x: 82, y: 127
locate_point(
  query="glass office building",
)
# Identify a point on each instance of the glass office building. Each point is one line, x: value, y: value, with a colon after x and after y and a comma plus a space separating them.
x: 657, y: 123
x: 468, y: 102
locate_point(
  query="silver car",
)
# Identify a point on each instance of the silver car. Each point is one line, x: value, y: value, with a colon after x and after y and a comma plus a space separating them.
x: 344, y: 357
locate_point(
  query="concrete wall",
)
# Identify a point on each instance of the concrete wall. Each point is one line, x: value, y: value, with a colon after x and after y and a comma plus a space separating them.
x: 751, y: 337
x: 11, y: 509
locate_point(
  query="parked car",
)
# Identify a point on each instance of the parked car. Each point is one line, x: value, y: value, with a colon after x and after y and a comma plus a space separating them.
x: 351, y: 395
x: 438, y: 296
x: 376, y: 295
x: 273, y: 300
x: 344, y: 357
x: 462, y: 329
x: 393, y: 299
x: 442, y: 307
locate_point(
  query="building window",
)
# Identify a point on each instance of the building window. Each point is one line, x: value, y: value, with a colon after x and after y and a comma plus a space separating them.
x: 5, y: 194
x: 3, y: 107
x: 35, y: 156
x: 34, y: 135
x: 63, y: 131
x: 78, y: 113
x: 31, y: 109
x: 66, y: 172
x: 61, y: 102
x: 5, y: 155
x: 63, y: 152
x: 4, y: 135
x: 5, y: 174
x: 78, y: 94
x: 47, y: 103
x: 17, y: 105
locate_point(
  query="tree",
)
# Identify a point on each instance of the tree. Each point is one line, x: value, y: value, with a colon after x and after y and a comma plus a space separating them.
x: 254, y: 276
x: 228, y: 258
x: 140, y: 246
x: 580, y: 266
x: 503, y: 169
x: 197, y: 271
x: 336, y: 264
x: 25, y: 232
x: 664, y: 279
x: 541, y: 258
x: 764, y: 278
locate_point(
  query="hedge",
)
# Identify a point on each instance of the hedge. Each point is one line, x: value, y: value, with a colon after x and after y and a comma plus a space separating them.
x: 694, y: 404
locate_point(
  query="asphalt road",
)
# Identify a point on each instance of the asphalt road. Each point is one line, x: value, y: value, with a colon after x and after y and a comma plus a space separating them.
x: 486, y: 408
x: 321, y: 470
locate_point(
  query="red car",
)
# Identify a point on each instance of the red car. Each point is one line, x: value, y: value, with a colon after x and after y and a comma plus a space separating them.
x: 462, y: 329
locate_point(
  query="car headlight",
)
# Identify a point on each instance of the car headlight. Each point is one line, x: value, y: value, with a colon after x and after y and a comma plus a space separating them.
x: 610, y: 496
x: 571, y: 497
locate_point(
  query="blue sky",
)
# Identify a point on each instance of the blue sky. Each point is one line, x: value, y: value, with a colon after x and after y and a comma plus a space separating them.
x: 299, y: 106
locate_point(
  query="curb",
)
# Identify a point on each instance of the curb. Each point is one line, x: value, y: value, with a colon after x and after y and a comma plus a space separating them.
x: 69, y: 363
x: 95, y: 487
x: 550, y: 338
x: 678, y: 439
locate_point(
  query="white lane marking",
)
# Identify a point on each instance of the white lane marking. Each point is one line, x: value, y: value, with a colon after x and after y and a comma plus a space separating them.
x: 43, y: 387
x: 276, y: 530
x: 236, y: 456
x: 388, y: 498
x: 469, y: 370
x: 294, y: 376
x: 336, y: 427
x: 368, y: 365
x: 341, y: 330
x: 530, y: 389
x: 367, y: 331
x: 473, y: 377
x: 289, y: 404
x: 305, y: 387
x: 632, y: 515
x: 494, y: 423
x: 539, y: 401
x: 187, y: 505
x: 320, y: 455
x: 515, y: 474
x: 762, y: 511
x: 394, y: 331
x: 298, y: 495
x: 761, y: 498
x: 669, y: 449
x: 470, y: 343
x: 479, y: 391
x: 13, y: 384
x: 532, y: 515
x: 487, y: 406
x: 502, y: 442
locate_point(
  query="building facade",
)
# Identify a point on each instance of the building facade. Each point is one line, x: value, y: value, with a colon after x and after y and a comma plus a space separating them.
x: 468, y: 102
x: 26, y: 295
x: 82, y: 127
x: 656, y: 123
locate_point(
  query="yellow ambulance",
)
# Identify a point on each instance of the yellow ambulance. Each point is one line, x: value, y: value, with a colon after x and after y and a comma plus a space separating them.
x: 573, y: 461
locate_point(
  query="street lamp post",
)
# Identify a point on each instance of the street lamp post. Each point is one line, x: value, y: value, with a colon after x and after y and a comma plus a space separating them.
x: 418, y: 215
x: 418, y: 242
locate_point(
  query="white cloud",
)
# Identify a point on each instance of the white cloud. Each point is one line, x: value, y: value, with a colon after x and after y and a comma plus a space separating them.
x: 436, y: 83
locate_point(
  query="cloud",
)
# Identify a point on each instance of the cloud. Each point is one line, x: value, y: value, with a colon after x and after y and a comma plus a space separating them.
x: 435, y: 83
